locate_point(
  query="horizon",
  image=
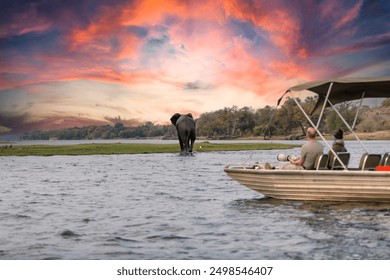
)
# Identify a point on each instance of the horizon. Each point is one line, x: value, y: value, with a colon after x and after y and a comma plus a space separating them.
x: 80, y: 63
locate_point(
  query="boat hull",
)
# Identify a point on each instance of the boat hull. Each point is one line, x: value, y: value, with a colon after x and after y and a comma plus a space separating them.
x: 325, y: 185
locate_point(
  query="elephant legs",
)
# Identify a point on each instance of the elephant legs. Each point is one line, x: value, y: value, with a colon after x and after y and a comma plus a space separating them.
x: 188, y: 149
x: 182, y: 148
x: 189, y: 145
x: 183, y: 145
x: 186, y: 144
x: 191, y: 142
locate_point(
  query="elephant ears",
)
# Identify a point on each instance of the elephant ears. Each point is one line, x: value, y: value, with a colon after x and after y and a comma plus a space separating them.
x: 190, y: 115
x: 174, y: 118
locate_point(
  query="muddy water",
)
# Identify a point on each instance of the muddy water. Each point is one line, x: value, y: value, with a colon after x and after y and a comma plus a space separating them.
x: 164, y: 206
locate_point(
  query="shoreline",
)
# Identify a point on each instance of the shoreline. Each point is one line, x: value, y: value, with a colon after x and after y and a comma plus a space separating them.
x: 125, y: 148
x: 377, y: 135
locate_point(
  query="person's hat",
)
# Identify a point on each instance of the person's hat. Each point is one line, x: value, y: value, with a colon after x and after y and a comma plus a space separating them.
x: 339, y: 134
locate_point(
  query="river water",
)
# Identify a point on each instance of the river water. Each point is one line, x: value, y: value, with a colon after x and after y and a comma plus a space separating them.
x: 166, y: 206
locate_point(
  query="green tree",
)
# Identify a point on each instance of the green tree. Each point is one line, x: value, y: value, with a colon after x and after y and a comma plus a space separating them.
x: 264, y: 124
x: 246, y: 120
x: 230, y: 119
x: 347, y: 111
x: 288, y: 117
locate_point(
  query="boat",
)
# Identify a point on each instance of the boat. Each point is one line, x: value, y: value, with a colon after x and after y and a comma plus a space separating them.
x: 369, y: 182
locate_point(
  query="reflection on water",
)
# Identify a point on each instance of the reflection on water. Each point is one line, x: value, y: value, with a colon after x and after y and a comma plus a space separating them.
x: 164, y: 206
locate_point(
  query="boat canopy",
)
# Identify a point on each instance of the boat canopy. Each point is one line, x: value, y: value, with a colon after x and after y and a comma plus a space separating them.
x: 346, y: 89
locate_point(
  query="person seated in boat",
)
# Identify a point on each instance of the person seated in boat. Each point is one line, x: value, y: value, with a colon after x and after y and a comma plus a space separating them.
x: 338, y: 145
x: 309, y: 152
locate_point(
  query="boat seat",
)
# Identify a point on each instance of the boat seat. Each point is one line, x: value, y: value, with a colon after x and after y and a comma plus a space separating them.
x: 385, y: 160
x: 369, y: 161
x: 321, y: 162
x: 344, y: 157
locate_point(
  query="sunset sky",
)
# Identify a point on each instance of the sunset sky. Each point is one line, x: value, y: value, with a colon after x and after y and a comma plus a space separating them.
x: 80, y: 62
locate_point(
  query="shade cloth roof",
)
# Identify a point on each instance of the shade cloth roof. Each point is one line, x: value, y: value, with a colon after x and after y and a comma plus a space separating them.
x: 347, y: 89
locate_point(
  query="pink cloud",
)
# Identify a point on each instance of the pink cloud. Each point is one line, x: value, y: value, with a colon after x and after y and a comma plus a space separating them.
x: 183, y: 56
x: 201, y: 29
x: 350, y: 15
x: 336, y: 12
x: 282, y: 26
x: 367, y: 43
x: 24, y: 22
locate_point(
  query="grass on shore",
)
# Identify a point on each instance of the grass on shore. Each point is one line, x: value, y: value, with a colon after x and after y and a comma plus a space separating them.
x: 121, y: 148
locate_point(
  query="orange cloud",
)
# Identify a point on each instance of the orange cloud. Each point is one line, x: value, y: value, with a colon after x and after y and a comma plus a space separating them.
x: 290, y: 69
x: 209, y: 46
x: 153, y: 12
x: 150, y: 12
x: 207, y: 50
x: 282, y: 26
x: 146, y: 59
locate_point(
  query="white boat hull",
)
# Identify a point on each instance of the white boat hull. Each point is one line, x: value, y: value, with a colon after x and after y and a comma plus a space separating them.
x: 315, y: 185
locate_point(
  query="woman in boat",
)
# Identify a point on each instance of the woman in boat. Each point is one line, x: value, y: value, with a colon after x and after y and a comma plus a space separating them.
x: 338, y: 145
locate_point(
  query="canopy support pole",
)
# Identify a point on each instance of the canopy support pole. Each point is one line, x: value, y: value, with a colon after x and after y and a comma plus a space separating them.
x: 357, y: 111
x: 324, y: 105
x: 346, y: 123
x: 319, y: 133
x: 273, y: 114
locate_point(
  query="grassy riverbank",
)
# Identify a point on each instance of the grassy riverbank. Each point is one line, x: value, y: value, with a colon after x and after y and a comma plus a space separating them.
x: 121, y: 148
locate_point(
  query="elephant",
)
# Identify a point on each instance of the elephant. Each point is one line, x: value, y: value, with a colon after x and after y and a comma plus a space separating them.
x: 186, y: 131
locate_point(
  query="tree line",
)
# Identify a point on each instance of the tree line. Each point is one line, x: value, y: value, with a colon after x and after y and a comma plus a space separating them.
x: 232, y: 122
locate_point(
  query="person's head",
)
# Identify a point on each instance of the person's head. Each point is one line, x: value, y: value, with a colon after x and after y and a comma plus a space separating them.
x: 338, y: 134
x: 311, y: 133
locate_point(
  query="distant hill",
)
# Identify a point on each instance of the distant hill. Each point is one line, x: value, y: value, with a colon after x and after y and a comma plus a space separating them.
x: 374, y: 119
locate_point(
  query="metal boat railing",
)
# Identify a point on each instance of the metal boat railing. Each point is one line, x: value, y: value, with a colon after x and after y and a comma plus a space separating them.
x: 318, y: 132
x: 320, y: 118
x: 349, y: 89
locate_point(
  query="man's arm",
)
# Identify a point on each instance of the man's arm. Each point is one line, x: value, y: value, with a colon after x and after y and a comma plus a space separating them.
x: 301, y: 158
x: 297, y: 162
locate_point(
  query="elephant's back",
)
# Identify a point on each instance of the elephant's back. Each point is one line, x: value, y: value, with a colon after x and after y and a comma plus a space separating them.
x: 185, y: 122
